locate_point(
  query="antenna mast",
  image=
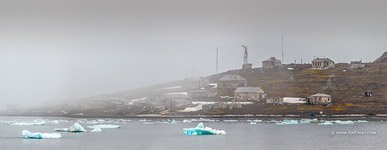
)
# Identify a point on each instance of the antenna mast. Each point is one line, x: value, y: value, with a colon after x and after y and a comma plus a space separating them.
x: 282, y: 38
x: 217, y: 61
x: 245, y: 57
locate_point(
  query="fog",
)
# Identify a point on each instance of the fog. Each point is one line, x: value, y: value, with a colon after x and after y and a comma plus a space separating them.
x: 54, y: 50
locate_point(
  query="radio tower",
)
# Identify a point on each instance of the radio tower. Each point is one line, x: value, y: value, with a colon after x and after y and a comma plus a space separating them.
x: 245, y: 57
x: 246, y: 66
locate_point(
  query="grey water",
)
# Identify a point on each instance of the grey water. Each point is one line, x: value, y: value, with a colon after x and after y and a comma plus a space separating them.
x: 136, y: 134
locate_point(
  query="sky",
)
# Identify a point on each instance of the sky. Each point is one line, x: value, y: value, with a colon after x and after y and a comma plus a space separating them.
x: 54, y: 50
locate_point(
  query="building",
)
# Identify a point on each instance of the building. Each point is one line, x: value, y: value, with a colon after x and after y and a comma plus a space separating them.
x: 356, y: 64
x: 201, y: 94
x: 319, y: 99
x: 195, y: 83
x: 229, y: 83
x: 249, y: 93
x: 275, y: 101
x: 322, y: 63
x: 272, y: 62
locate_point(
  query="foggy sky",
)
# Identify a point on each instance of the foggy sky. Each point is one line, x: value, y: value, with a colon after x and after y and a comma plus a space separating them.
x: 54, y: 50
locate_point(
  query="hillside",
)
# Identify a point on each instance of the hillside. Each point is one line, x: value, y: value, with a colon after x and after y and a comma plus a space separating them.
x: 347, y: 87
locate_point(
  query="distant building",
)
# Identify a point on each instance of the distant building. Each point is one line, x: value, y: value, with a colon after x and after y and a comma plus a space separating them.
x: 201, y: 94
x: 322, y: 63
x: 356, y: 64
x: 272, y: 62
x: 195, y: 83
x: 249, y: 93
x: 319, y: 99
x: 247, y: 67
x: 274, y: 101
x: 229, y: 83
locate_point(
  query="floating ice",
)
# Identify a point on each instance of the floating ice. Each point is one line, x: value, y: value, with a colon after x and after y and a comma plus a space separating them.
x: 252, y: 122
x: 74, y: 128
x: 361, y: 121
x: 187, y: 121
x: 288, y: 122
x: 96, y: 129
x: 230, y: 121
x: 28, y: 123
x: 28, y: 135
x: 148, y: 123
x: 201, y: 130
x: 104, y: 126
x: 336, y: 122
x: 173, y: 121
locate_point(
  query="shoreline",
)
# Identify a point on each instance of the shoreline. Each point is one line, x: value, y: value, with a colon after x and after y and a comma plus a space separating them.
x: 154, y: 116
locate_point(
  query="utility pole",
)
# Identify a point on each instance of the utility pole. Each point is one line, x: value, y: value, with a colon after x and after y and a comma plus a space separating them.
x: 282, y: 39
x: 217, y: 61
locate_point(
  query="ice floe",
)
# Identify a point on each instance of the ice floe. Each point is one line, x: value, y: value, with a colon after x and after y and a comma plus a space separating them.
x: 104, y: 126
x: 295, y: 122
x: 37, y: 135
x: 200, y: 129
x: 74, y: 128
x: 27, y: 123
x: 336, y: 122
x: 230, y: 121
x: 96, y: 129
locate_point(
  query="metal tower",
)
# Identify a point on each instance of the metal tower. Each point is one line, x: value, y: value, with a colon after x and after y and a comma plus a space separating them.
x: 245, y: 57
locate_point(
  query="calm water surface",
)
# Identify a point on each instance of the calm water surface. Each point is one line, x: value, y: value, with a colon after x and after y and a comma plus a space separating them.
x: 241, y: 135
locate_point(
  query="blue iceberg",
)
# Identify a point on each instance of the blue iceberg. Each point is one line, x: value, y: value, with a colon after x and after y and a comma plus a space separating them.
x: 28, y: 135
x: 74, y: 128
x: 201, y: 130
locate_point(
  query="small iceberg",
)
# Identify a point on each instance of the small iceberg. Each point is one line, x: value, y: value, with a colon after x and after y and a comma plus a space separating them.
x: 74, y: 128
x: 252, y: 122
x: 201, y: 130
x: 361, y: 121
x: 187, y: 121
x: 104, y: 126
x: 288, y: 122
x: 28, y: 135
x: 96, y: 130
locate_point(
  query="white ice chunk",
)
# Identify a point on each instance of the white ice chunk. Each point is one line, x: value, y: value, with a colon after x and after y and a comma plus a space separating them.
x: 96, y: 129
x: 336, y: 122
x: 74, y: 128
x: 28, y: 135
x: 104, y: 126
x: 28, y: 123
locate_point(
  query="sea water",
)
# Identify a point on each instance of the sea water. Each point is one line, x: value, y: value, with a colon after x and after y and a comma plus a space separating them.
x: 135, y: 134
